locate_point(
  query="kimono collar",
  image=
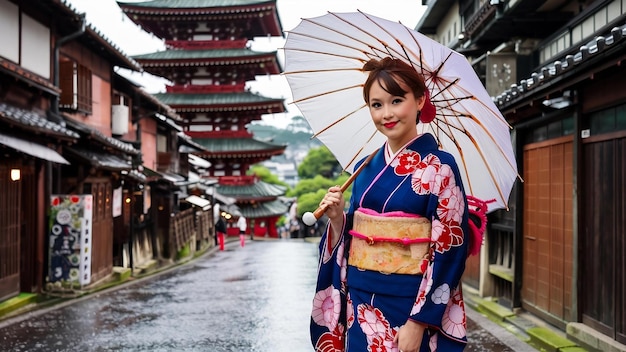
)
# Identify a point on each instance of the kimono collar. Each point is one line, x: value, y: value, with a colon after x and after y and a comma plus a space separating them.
x: 389, y: 154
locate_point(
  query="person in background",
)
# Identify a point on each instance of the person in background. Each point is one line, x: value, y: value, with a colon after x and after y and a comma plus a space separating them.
x: 390, y: 267
x: 242, y: 225
x: 220, y: 226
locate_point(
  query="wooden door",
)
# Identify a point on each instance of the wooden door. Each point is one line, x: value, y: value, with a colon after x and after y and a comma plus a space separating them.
x: 9, y: 231
x: 102, y: 227
x: 603, y: 235
x: 547, y: 228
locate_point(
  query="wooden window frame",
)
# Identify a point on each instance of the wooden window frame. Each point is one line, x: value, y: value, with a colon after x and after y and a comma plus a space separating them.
x: 76, y: 87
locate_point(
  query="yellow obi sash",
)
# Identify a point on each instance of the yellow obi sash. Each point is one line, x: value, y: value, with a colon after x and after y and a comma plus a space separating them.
x: 394, y: 242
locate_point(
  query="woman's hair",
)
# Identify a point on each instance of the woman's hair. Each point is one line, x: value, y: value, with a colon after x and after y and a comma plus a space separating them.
x: 389, y: 73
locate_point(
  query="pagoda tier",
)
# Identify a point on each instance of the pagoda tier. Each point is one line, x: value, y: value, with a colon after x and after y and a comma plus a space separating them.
x: 232, y: 152
x: 209, y: 62
x: 256, y: 200
x: 209, y: 67
x: 211, y: 19
x: 243, y: 102
x: 220, y: 111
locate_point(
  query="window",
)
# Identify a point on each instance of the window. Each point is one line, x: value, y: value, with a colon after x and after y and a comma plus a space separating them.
x: 608, y: 120
x: 75, y: 84
x: 554, y: 129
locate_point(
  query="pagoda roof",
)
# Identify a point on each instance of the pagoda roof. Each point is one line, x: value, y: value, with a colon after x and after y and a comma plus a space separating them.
x: 263, y: 210
x: 241, y: 101
x: 205, y: 6
x: 254, y: 191
x: 262, y: 15
x: 216, y: 57
x: 217, y: 146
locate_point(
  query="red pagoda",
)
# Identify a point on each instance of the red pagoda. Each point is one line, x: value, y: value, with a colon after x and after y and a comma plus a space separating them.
x: 208, y: 60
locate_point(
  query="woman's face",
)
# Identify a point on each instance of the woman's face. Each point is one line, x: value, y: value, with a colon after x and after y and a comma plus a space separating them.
x: 395, y: 116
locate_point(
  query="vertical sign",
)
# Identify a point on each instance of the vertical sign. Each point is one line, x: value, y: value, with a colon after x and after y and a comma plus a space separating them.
x: 70, y: 239
x: 117, y: 202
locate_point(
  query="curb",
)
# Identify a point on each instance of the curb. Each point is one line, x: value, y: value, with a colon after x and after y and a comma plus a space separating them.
x: 542, y: 338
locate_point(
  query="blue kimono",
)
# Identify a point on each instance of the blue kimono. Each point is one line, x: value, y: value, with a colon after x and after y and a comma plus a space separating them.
x: 362, y: 310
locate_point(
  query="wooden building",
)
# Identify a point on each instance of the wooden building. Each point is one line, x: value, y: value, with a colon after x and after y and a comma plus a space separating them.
x: 555, y: 70
x: 71, y: 126
x: 209, y: 62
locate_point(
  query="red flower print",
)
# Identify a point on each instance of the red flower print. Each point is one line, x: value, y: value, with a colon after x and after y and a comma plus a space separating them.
x: 451, y: 205
x: 331, y: 341
x: 406, y: 163
x: 379, y: 344
x: 447, y: 236
x: 376, y: 328
x: 425, y: 176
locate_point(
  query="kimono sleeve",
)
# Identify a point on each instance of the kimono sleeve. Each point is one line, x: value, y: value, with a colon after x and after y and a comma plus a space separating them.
x: 328, y: 314
x: 439, y: 302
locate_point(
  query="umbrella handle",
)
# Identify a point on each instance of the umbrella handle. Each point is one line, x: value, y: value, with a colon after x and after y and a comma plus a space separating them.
x: 310, y: 218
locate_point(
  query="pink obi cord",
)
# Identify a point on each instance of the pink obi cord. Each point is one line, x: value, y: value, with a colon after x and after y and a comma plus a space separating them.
x: 395, y: 214
x: 373, y: 239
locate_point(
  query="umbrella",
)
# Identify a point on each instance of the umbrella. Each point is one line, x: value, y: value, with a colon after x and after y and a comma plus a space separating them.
x: 323, y: 61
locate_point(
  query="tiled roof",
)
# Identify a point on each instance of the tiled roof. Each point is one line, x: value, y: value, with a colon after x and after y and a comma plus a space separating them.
x: 227, y: 145
x: 558, y: 69
x: 30, y: 77
x: 191, y: 145
x: 227, y: 100
x: 100, y: 137
x: 101, y: 41
x: 102, y: 160
x: 263, y: 210
x: 212, y: 54
x: 193, y: 4
x: 32, y: 121
x: 258, y: 189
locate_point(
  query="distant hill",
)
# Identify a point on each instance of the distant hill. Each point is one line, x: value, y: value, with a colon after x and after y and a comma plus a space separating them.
x: 297, y: 136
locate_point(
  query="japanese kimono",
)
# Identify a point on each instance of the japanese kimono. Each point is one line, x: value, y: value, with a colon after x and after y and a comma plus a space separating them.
x: 361, y: 309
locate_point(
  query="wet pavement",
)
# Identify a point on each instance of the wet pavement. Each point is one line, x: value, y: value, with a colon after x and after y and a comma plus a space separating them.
x: 255, y: 298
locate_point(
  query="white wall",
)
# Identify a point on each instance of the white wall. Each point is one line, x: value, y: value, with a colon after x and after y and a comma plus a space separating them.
x: 35, y: 47
x: 9, y: 27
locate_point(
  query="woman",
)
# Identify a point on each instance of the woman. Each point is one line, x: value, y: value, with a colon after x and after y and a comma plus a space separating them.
x: 390, y: 268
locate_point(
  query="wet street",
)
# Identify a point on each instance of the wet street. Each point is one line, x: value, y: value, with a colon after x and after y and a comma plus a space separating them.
x: 255, y: 298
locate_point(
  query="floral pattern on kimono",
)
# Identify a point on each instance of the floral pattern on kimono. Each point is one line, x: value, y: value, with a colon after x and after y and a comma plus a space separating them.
x: 422, y: 180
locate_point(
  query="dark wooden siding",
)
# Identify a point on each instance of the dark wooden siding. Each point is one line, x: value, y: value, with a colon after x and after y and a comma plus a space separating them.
x: 102, y: 228
x: 603, y: 244
x: 9, y: 232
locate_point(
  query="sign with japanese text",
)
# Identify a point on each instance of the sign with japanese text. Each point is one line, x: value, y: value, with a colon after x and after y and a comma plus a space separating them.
x: 70, y: 238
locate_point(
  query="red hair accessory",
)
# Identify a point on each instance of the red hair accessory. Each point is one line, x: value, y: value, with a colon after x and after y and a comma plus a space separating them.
x: 427, y: 115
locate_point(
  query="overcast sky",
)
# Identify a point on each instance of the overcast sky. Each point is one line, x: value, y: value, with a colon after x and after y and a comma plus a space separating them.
x: 106, y: 16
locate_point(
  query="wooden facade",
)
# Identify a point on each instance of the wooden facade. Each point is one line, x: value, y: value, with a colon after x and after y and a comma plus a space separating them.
x: 9, y: 232
x: 559, y: 252
x: 602, y: 235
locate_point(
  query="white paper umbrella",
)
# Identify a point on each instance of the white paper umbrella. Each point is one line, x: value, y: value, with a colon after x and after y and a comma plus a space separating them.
x: 324, y: 57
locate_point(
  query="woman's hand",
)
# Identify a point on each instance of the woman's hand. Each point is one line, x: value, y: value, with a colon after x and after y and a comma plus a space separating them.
x: 409, y: 336
x: 334, y: 202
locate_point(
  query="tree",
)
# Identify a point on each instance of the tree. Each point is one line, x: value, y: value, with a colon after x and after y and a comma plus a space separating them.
x: 310, y: 192
x: 319, y: 161
x: 265, y: 175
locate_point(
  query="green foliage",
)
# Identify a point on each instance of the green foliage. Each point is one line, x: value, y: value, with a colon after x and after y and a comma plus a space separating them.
x: 266, y: 175
x: 310, y: 185
x: 319, y: 161
x: 310, y: 192
x: 310, y: 201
